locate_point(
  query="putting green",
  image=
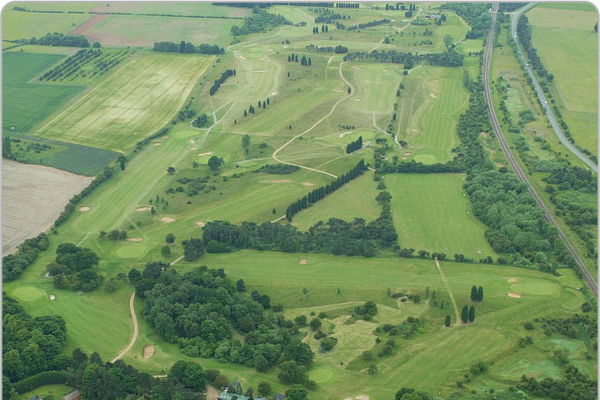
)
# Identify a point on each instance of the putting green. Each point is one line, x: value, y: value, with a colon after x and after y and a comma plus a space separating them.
x: 131, y: 250
x: 28, y: 293
x: 321, y: 374
x: 538, y: 287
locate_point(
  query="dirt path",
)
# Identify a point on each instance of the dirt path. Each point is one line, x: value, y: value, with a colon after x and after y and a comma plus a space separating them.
x: 278, y: 219
x: 211, y: 393
x: 445, y: 280
x: 135, y: 330
x: 395, y: 137
x: 177, y: 260
x: 343, y: 78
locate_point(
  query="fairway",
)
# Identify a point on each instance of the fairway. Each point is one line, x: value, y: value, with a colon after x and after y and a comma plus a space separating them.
x: 429, y: 109
x: 563, y: 38
x: 431, y: 213
x: 24, y: 103
x: 135, y: 101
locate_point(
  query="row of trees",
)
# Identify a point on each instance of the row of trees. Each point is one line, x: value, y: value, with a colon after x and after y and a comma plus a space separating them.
x: 476, y: 293
x: 59, y: 39
x: 218, y: 82
x: 339, y: 49
x: 187, y: 48
x: 260, y: 104
x: 476, y: 15
x: 354, y: 145
x: 324, y: 29
x: 467, y: 314
x: 320, y: 193
x: 369, y: 24
x: 524, y: 35
x: 259, y: 21
x: 14, y: 264
x: 70, y: 65
x: 329, y: 18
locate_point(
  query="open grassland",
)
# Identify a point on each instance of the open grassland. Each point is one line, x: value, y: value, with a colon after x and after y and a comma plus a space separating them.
x: 24, y: 25
x: 139, y: 98
x: 353, y: 200
x: 431, y: 212
x: 140, y: 30
x: 26, y: 104
x: 430, y: 104
x: 564, y: 38
x: 575, y: 5
x: 32, y: 198
x: 376, y: 85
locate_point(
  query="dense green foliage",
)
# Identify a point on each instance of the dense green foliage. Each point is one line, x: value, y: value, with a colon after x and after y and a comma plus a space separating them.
x: 354, y: 145
x: 72, y: 268
x: 259, y: 21
x: 449, y: 58
x: 188, y: 48
x: 14, y: 264
x: 476, y: 14
x: 574, y: 385
x: 202, y: 311
x: 217, y: 83
x: 278, y: 169
x: 58, y: 39
x: 524, y: 35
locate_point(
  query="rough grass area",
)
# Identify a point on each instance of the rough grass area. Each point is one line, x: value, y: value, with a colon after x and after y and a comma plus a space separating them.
x: 24, y: 25
x: 134, y: 102
x: 431, y: 212
x: 26, y: 103
x: 564, y: 38
x: 32, y: 198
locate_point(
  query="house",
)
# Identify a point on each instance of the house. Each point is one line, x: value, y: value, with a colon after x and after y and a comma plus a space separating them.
x: 235, y: 387
x: 231, y: 396
x: 279, y: 396
x: 74, y: 395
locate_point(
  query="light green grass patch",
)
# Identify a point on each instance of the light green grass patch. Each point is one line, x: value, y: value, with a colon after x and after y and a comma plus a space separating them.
x: 431, y: 212
x: 46, y: 392
x: 131, y: 250
x: 25, y: 25
x: 28, y: 293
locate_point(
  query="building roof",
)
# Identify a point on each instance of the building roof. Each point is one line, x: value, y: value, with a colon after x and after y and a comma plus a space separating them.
x: 230, y: 396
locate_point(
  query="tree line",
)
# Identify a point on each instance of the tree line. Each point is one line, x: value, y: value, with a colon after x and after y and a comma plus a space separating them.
x: 369, y: 24
x: 475, y: 14
x: 14, y: 264
x: 329, y: 18
x: 448, y: 58
x: 72, y: 268
x: 320, y: 193
x: 354, y: 145
x: 187, y: 48
x: 59, y: 39
x: 339, y: 49
x: 259, y: 21
x: 218, y: 82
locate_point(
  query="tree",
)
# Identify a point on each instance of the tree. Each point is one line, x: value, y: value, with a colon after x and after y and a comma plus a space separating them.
x: 240, y: 285
x: 291, y: 372
x: 372, y: 369
x: 596, y: 27
x: 447, y: 321
x: 480, y: 294
x: 464, y: 314
x: 189, y: 374
x: 472, y: 314
x: 315, y: 324
x: 300, y: 320
x: 264, y: 389
x: 383, y: 197
x: 246, y: 143
x: 473, y: 293
x: 170, y: 238
x: 214, y: 163
x: 193, y: 249
x: 297, y: 393
x: 170, y: 170
x: 165, y: 251
x: 448, y: 41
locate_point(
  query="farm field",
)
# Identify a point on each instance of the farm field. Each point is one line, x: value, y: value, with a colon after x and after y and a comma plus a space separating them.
x: 32, y: 197
x: 141, y: 97
x: 564, y: 37
x: 24, y: 25
x: 432, y: 213
x: 26, y: 103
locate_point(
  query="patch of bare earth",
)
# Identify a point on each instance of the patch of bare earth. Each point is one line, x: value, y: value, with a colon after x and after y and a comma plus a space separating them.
x: 200, y: 223
x: 148, y: 351
x: 135, y: 239
x: 211, y: 393
x: 304, y: 261
x: 514, y: 295
x: 84, y: 208
x: 144, y: 208
x: 512, y: 280
x: 308, y: 184
x: 88, y: 24
x: 33, y: 197
x: 167, y: 219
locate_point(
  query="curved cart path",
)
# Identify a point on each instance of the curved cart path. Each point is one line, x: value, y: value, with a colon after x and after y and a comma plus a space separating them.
x: 135, y: 330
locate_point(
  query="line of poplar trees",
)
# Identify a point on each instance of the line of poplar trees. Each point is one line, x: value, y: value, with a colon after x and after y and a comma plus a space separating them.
x: 321, y: 192
x: 355, y: 145
x: 217, y: 83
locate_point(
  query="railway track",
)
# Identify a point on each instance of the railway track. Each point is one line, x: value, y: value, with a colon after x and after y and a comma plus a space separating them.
x: 487, y: 58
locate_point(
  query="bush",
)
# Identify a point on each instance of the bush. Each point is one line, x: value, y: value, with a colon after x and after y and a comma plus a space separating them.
x: 217, y: 247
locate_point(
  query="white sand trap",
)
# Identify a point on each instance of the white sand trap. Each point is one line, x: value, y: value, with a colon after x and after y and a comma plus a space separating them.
x: 348, y: 398
x: 433, y: 95
x: 514, y: 295
x: 200, y: 223
x: 192, y: 141
x: 52, y: 297
x: 205, y: 154
x: 356, y: 99
x: 408, y: 153
x: 308, y: 184
x: 337, y: 90
x: 243, y: 58
x: 274, y: 93
x: 479, y: 251
x: 362, y: 397
x: 259, y: 71
x: 345, y: 133
x: 385, y: 70
x: 157, y: 143
x: 135, y: 239
x: 144, y: 208
x: 304, y: 261
x: 404, y: 158
x: 513, y: 280
x: 280, y: 181
x: 84, y: 208
x: 148, y: 351
x: 167, y: 219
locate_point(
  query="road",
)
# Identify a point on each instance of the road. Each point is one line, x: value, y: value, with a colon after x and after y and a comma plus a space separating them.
x: 487, y: 58
x: 540, y: 93
x: 135, y: 330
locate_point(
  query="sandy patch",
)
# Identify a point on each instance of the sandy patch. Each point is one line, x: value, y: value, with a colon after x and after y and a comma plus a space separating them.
x: 479, y: 252
x: 148, y: 351
x: 192, y: 141
x: 433, y: 95
x: 308, y: 184
x: 84, y: 208
x: 514, y: 295
x: 135, y: 239
x: 280, y: 181
x: 167, y: 219
x: 157, y: 143
x: 304, y: 261
x: 200, y: 223
x: 356, y: 99
x: 205, y: 154
x: 408, y: 153
x: 259, y: 71
x: 361, y: 397
x: 345, y: 133
x: 243, y: 58
x: 512, y: 280
x: 52, y: 297
x: 144, y: 208
x: 274, y: 93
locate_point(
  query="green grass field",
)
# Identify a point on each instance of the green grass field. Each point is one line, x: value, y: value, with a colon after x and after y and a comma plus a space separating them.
x: 432, y: 213
x: 26, y: 104
x: 135, y: 101
x: 563, y: 38
x: 24, y: 25
x: 430, y: 105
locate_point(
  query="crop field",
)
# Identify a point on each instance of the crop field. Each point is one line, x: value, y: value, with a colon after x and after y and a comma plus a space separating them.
x: 178, y: 8
x: 141, y: 96
x: 26, y: 104
x: 431, y: 213
x: 564, y: 37
x: 429, y: 111
x: 24, y: 25
x: 32, y: 198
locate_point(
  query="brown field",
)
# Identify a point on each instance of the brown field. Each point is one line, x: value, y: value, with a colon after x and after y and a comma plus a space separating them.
x: 32, y: 198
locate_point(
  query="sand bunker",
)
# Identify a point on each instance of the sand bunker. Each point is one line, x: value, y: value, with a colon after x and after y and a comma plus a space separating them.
x: 148, y: 351
x: 157, y: 143
x: 280, y: 181
x: 356, y: 99
x: 304, y: 261
x: 513, y: 280
x: 164, y: 137
x: 514, y: 295
x: 479, y: 251
x: 167, y: 219
x: 433, y: 95
x: 404, y: 158
x: 345, y: 133
x: 51, y: 297
x: 135, y: 239
x: 205, y: 154
x: 192, y: 141
x: 361, y: 397
x: 308, y: 184
x: 84, y: 209
x: 200, y: 223
x: 144, y: 208
x: 408, y: 153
